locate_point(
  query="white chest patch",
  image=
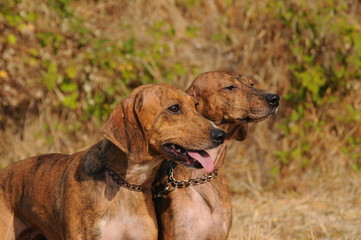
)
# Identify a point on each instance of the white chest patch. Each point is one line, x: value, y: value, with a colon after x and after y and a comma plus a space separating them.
x: 125, y: 226
x: 209, y: 225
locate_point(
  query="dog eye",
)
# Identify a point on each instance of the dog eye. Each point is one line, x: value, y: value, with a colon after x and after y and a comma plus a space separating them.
x: 230, y: 87
x: 252, y: 84
x: 175, y: 109
x: 197, y: 104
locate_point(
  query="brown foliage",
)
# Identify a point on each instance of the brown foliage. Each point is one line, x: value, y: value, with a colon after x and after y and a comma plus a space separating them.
x: 65, y: 65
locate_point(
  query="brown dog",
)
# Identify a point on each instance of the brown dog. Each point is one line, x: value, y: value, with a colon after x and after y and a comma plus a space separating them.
x: 204, y: 211
x: 104, y: 192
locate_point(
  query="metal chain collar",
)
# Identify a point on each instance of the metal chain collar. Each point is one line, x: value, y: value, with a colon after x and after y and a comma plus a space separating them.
x: 117, y: 178
x: 173, y: 184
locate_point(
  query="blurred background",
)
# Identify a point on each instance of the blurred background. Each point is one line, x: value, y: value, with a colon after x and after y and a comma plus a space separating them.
x: 64, y: 65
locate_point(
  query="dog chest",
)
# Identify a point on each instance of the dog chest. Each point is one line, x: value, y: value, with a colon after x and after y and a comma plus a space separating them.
x: 128, y: 226
x: 200, y: 217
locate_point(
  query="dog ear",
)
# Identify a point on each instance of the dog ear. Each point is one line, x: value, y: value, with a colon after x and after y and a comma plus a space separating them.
x: 192, y: 91
x: 124, y: 128
x: 240, y: 132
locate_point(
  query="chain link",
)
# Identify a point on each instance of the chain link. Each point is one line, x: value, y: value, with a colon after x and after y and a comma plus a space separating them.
x: 173, y: 184
x: 192, y: 181
x: 117, y: 178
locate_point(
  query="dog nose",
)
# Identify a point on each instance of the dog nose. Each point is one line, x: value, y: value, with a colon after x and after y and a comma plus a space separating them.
x: 273, y: 99
x: 218, y: 136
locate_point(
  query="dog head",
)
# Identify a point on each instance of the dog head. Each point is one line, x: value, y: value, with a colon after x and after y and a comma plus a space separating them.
x: 228, y: 98
x: 162, y: 120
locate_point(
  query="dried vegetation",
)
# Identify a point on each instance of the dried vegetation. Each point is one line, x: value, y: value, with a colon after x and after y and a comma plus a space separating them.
x: 65, y: 64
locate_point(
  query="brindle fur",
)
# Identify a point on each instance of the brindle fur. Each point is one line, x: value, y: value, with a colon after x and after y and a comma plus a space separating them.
x: 60, y: 196
x: 204, y: 211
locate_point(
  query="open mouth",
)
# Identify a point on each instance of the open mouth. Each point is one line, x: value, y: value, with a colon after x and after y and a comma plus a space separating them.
x: 189, y: 158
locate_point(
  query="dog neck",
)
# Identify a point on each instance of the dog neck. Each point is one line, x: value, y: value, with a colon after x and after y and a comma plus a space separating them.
x: 139, y: 170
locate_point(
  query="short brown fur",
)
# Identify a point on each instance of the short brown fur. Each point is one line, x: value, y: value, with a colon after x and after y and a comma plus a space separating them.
x: 204, y: 211
x: 60, y: 196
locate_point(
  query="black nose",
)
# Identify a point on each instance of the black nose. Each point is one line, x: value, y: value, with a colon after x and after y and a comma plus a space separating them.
x: 218, y: 136
x: 273, y: 99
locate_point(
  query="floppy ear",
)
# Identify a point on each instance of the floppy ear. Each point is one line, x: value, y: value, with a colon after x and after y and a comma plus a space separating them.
x: 124, y: 128
x: 240, y: 132
x: 192, y: 91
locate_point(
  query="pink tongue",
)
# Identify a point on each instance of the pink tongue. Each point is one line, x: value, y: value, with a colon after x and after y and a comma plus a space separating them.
x: 204, y: 158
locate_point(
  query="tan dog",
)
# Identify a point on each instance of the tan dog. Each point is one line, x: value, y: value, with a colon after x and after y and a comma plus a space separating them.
x: 204, y: 211
x: 104, y: 192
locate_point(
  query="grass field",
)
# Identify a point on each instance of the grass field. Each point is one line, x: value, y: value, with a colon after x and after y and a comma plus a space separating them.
x: 65, y: 65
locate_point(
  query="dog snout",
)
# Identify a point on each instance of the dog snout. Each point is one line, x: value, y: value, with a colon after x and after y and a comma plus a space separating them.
x: 218, y: 136
x: 273, y: 100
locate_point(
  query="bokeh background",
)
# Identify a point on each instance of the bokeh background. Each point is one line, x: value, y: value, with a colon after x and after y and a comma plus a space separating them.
x: 64, y: 65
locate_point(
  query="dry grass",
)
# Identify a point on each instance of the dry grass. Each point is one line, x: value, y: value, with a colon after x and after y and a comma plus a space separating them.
x: 322, y: 207
x: 321, y: 201
x: 319, y: 213
x: 43, y: 134
x: 315, y: 206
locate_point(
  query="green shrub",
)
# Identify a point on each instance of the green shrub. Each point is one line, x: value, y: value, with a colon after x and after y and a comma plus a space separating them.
x: 325, y: 46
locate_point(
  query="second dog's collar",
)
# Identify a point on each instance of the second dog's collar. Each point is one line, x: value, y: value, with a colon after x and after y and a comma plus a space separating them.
x: 173, y: 184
